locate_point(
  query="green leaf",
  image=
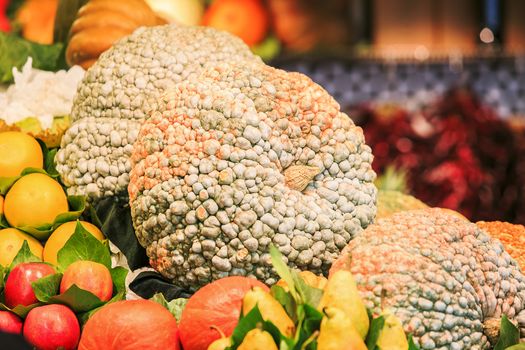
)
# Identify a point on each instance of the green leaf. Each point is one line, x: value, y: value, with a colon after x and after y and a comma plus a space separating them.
x: 309, y: 295
x: 175, y: 306
x: 84, y: 316
x: 312, y: 319
x: 15, y: 50
x: 278, y: 338
x: 246, y: 324
x: 308, y: 326
x: 300, y: 291
x: 268, y: 48
x: 411, y: 344
x: 376, y: 326
x: 159, y: 299
x: 24, y: 255
x: 47, y: 286
x: 49, y: 160
x: 77, y: 205
x: 20, y: 310
x: 286, y: 300
x: 3, y: 222
x: 82, y: 245
x: 509, y: 334
x: 6, y: 183
x: 284, y: 272
x: 79, y: 300
x: 118, y: 275
x: 310, y: 343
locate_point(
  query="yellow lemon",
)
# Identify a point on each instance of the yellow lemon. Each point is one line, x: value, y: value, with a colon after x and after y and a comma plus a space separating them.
x: 60, y: 236
x: 34, y: 200
x: 11, y: 241
x: 17, y: 152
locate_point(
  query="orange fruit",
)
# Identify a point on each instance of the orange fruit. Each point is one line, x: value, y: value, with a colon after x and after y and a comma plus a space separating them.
x: 1, y: 205
x: 60, y: 236
x: 17, y: 152
x: 11, y: 241
x: 247, y: 19
x: 34, y: 200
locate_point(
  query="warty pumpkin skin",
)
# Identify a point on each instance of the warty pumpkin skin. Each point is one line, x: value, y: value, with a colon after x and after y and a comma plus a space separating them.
x: 512, y: 237
x: 116, y: 95
x: 444, y: 277
x: 244, y: 156
x: 100, y: 23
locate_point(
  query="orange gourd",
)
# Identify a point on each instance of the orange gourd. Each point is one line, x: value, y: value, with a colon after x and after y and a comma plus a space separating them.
x: 100, y: 23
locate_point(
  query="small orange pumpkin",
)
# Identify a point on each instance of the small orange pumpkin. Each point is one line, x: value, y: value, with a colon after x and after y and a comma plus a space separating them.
x: 100, y: 23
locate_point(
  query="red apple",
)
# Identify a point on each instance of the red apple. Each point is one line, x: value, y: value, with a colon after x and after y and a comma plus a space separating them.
x: 88, y: 275
x: 52, y: 327
x: 18, y: 290
x: 10, y: 323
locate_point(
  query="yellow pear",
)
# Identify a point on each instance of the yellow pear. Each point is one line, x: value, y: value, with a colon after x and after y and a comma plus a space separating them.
x: 338, y: 333
x: 270, y: 309
x: 310, y: 278
x: 392, y: 336
x: 257, y: 339
x: 341, y: 292
x: 220, y: 344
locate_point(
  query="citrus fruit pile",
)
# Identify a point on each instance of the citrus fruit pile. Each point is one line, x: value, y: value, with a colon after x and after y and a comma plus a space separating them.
x: 33, y: 205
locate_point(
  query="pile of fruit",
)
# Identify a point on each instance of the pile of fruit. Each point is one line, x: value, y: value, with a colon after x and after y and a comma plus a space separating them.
x: 248, y: 187
x: 55, y: 270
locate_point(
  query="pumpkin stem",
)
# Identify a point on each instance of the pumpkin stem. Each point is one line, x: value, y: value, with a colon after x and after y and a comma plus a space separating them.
x: 491, y: 329
x: 297, y: 177
x: 218, y: 330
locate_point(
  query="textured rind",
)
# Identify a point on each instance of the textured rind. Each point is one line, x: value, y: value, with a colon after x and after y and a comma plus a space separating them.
x: 207, y: 191
x: 119, y: 88
x: 442, y: 275
x: 512, y: 237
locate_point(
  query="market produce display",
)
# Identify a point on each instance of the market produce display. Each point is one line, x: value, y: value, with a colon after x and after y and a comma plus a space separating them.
x: 252, y: 192
x: 244, y: 156
x: 117, y: 93
x: 52, y: 301
x: 295, y: 314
